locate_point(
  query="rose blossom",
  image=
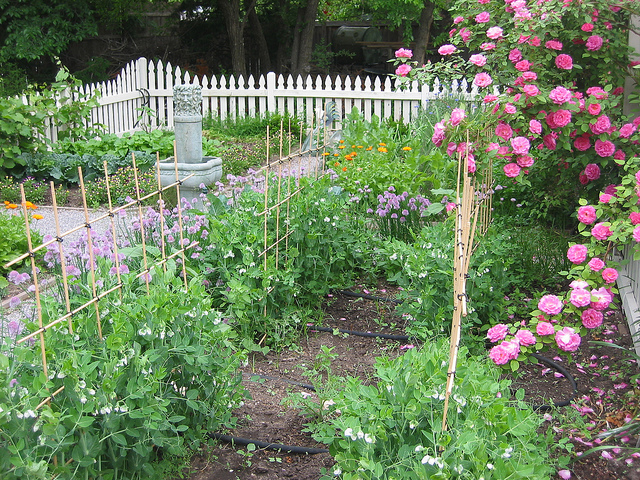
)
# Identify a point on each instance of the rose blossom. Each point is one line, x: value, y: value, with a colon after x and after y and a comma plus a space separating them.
x: 560, y: 95
x: 582, y: 143
x: 503, y: 353
x: 564, y: 62
x: 577, y: 253
x: 635, y: 218
x: 490, y: 98
x: 591, y: 318
x: 594, y: 43
x: 605, y: 197
x: 587, y: 27
x: 404, y: 53
x: 587, y: 214
x: 457, y: 115
x: 550, y: 304
x: 531, y: 90
x: 601, y: 231
x: 544, y: 328
x: 523, y: 65
x: 458, y: 20
x: 483, y: 17
x: 594, y: 108
x: 609, y: 275
x: 511, y: 170
x: 605, y: 149
x: 515, y: 55
x: 497, y: 332
x: 600, y: 299
x: 567, y: 339
x: 596, y: 264
x: 487, y: 46
x: 504, y: 131
x: 525, y: 337
x: 446, y: 49
x: 553, y: 45
x: 520, y: 145
x: 636, y: 233
x: 561, y: 118
x: 525, y: 161
x: 530, y: 76
x: 535, y: 127
x: 592, y: 171
x: 403, y: 70
x: 510, y: 108
x: 494, y: 33
x: 580, y: 297
x: 579, y: 284
x: 627, y: 130
x: 549, y: 141
x: 478, y: 60
x: 601, y: 125
x: 482, y: 79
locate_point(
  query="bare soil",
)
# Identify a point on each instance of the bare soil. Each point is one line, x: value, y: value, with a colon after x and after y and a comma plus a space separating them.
x: 606, y: 396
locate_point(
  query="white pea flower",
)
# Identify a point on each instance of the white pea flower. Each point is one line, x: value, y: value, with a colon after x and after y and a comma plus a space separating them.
x: 369, y: 439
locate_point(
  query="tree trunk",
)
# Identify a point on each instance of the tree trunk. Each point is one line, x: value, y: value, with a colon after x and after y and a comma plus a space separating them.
x: 424, y: 32
x: 305, y: 45
x: 235, y: 30
x: 297, y: 34
x: 261, y: 41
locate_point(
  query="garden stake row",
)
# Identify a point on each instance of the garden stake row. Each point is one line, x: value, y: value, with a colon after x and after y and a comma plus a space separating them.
x: 95, y: 296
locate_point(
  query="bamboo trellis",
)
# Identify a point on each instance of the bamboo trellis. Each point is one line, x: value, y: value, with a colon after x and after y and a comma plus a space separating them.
x: 473, y: 217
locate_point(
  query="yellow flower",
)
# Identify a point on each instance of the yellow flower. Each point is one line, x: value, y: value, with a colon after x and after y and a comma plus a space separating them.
x: 37, y: 216
x: 369, y: 149
x: 406, y: 149
x: 11, y: 205
x: 341, y: 146
x: 360, y: 146
x: 30, y: 205
x: 324, y: 154
x: 382, y: 144
x: 382, y: 149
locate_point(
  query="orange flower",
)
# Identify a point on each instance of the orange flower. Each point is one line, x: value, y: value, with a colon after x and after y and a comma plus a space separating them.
x: 360, y: 146
x: 348, y: 157
x: 324, y: 154
x: 11, y: 205
x: 341, y: 146
x: 6, y: 202
x: 353, y: 146
x: 337, y: 164
x: 369, y: 149
x: 344, y: 169
x: 382, y: 144
x: 37, y: 216
x: 406, y: 149
x: 354, y: 154
x: 382, y: 149
x: 30, y: 205
x: 336, y: 154
x: 341, y: 141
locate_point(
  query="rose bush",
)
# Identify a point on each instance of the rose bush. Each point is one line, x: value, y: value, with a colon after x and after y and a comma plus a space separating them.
x: 551, y: 82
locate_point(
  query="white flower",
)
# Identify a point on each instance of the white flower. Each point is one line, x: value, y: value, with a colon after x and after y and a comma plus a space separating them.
x: 30, y: 414
x: 428, y: 459
x: 412, y: 426
x: 327, y: 404
x: 360, y: 434
x: 327, y: 219
x: 82, y: 384
x: 337, y: 472
x: 507, y: 452
x: 458, y: 469
x: 369, y: 439
x: 348, y: 432
x: 419, y: 448
x: 490, y: 466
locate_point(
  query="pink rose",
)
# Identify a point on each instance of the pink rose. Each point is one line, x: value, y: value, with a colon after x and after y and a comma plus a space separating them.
x: 592, y: 171
x: 582, y: 143
x: 550, y: 304
x: 580, y: 297
x: 458, y: 20
x: 592, y: 318
x: 465, y: 34
x: 564, y: 62
x: 619, y: 155
x: 605, y: 149
x: 597, y: 92
x: 605, y: 197
x: 567, y: 339
x: 503, y: 353
x: 520, y: 145
x: 587, y: 214
x: 497, y: 332
x: 549, y: 141
x: 457, y: 115
x: 490, y: 98
x: 596, y: 264
x: 587, y: 27
x: 609, y: 275
x: 594, y: 43
x: 525, y: 337
x: 482, y: 79
x: 601, y: 125
x: 404, y: 53
x: 515, y: 55
x: 510, y: 108
x: 635, y: 218
x: 523, y: 65
x: 531, y: 90
x: 530, y: 76
x: 446, y: 49
x: 553, y: 45
x: 636, y: 233
x: 627, y: 130
x: 478, y: 60
x: 594, y: 108
x: 560, y: 95
x: 403, y: 70
x: 487, y: 46
x: 577, y: 253
x: 483, y: 17
x: 525, y: 161
x: 544, y: 328
x: 511, y: 170
x: 561, y: 118
x: 601, y: 231
x: 494, y: 33
x: 535, y: 127
x: 600, y: 299
x: 579, y: 284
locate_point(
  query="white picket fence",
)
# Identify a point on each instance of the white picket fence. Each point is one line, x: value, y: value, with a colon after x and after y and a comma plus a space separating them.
x: 143, y: 83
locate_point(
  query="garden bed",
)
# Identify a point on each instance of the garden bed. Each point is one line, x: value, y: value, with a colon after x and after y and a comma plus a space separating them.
x: 603, y: 375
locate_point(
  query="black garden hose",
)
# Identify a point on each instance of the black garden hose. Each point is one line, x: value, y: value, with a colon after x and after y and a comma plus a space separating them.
x: 560, y: 369
x: 292, y: 382
x: 267, y: 445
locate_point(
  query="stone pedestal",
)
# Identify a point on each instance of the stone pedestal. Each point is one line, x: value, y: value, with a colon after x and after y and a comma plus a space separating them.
x: 188, y: 132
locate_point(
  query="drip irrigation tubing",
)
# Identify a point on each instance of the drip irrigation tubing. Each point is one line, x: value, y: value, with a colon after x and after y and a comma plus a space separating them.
x: 267, y: 445
x: 560, y: 369
x: 349, y: 293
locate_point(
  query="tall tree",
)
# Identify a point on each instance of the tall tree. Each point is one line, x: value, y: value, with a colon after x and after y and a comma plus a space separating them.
x: 303, y: 37
x: 236, y: 15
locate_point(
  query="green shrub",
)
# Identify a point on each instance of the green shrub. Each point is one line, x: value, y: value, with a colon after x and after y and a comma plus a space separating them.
x: 392, y: 429
x: 122, y: 185
x: 13, y: 239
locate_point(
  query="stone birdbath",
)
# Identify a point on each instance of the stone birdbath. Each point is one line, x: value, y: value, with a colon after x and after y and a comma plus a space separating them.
x: 187, y: 118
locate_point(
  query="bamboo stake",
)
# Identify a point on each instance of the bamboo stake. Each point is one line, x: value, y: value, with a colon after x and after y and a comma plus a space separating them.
x: 63, y: 261
x: 141, y: 221
x: 92, y: 265
x: 179, y: 208
x: 161, y: 210
x: 114, y: 233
